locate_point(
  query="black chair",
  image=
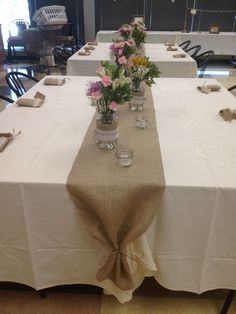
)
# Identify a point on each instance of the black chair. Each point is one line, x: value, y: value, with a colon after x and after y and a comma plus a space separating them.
x: 184, y: 45
x: 6, y: 99
x: 203, y: 60
x: 61, y: 55
x: 194, y: 50
x: 231, y: 88
x: 228, y: 301
x: 18, y: 81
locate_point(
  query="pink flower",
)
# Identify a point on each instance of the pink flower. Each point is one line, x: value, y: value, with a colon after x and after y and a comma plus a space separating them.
x: 96, y: 95
x: 122, y: 60
x: 113, y: 106
x: 106, y: 80
x: 120, y: 51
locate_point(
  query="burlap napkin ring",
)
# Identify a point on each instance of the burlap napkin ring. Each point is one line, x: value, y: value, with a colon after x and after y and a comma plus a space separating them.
x: 228, y: 114
x: 84, y: 53
x: 5, y: 139
x: 179, y: 55
x: 168, y: 44
x: 89, y: 47
x: 36, y: 102
x: 171, y: 48
x: 207, y: 89
x: 54, y: 81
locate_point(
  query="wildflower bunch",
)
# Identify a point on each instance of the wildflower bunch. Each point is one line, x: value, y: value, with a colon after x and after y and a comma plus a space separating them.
x: 114, y: 88
x: 125, y: 31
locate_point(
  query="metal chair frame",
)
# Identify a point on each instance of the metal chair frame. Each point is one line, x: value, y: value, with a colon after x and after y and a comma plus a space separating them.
x: 14, y: 81
x: 6, y: 99
x: 184, y: 45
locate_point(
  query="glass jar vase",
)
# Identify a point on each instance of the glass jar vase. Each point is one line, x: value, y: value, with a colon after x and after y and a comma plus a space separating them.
x: 137, y: 101
x: 106, y: 133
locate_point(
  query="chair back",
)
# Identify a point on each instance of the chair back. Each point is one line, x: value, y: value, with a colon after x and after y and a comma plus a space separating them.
x: 17, y: 26
x: 6, y: 98
x: 193, y: 51
x: 232, y: 89
x: 203, y: 60
x: 61, y: 55
x: 184, y: 45
x: 17, y: 80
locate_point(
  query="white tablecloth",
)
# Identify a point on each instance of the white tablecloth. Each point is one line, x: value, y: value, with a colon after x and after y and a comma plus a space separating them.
x: 169, y: 66
x: 189, y: 246
x: 222, y: 44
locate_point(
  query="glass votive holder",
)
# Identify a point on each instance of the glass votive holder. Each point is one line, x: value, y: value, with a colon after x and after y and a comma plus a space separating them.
x: 141, y: 122
x: 124, y: 157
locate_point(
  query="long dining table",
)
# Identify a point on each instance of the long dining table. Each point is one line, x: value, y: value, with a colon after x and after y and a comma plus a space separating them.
x: 222, y: 44
x: 190, y: 244
x: 169, y: 65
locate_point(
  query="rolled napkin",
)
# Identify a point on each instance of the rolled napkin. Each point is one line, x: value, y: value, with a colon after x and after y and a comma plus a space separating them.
x: 86, y: 48
x: 179, y: 55
x: 53, y: 81
x: 228, y: 114
x: 170, y: 48
x: 84, y: 53
x: 37, y: 101
x: 91, y: 43
x: 5, y: 139
x: 207, y: 89
x: 169, y: 44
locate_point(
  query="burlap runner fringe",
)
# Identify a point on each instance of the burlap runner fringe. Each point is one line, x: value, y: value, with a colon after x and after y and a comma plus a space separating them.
x: 118, y: 204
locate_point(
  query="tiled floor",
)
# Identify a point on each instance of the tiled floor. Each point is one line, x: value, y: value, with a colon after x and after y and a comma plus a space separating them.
x: 150, y: 298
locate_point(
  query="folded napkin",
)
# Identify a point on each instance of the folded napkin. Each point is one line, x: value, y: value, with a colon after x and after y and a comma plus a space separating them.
x: 5, y: 139
x: 228, y: 114
x: 84, y: 53
x: 86, y: 48
x: 179, y: 55
x: 91, y: 43
x: 170, y: 48
x: 37, y: 101
x: 54, y: 81
x: 207, y: 89
x: 169, y: 44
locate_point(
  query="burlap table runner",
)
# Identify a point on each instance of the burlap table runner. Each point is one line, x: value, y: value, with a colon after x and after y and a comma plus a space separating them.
x: 118, y: 204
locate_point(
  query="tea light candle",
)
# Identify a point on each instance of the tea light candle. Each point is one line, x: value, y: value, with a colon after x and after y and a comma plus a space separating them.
x: 141, y: 122
x: 124, y: 157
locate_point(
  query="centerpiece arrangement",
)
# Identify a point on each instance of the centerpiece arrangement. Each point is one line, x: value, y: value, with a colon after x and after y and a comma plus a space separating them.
x: 125, y: 31
x: 140, y: 69
x: 138, y: 34
x: 122, y: 51
x: 106, y: 95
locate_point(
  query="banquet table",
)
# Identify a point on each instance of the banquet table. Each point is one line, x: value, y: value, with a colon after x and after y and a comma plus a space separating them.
x: 168, y: 65
x: 223, y: 43
x: 190, y: 244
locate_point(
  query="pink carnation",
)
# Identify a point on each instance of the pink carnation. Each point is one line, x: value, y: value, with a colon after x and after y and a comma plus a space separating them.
x: 106, y: 80
x: 122, y: 60
x: 113, y: 106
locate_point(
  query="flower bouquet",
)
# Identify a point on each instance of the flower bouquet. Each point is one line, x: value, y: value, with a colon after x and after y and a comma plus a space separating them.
x: 113, y: 89
x: 123, y: 50
x: 138, y: 33
x: 140, y: 70
x: 125, y: 31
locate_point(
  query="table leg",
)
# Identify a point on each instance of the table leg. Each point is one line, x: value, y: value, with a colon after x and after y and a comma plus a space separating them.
x: 228, y: 301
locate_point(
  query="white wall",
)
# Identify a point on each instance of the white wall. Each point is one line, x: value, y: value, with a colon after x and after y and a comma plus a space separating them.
x: 89, y: 20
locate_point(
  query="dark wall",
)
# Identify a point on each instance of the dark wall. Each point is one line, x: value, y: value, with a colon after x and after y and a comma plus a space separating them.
x: 112, y: 14
x: 74, y: 12
x: 165, y: 14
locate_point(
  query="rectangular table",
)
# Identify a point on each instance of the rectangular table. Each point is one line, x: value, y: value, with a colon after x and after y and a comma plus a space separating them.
x: 169, y: 66
x: 222, y: 44
x: 189, y: 246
